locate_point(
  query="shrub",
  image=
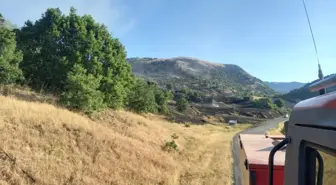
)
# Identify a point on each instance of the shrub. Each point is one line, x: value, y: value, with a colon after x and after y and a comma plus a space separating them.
x: 182, y: 104
x: 279, y: 103
x: 170, y: 146
x: 264, y: 103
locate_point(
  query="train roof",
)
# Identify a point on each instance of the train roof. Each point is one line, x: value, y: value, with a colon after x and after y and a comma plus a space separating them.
x: 319, y: 111
x: 257, y: 149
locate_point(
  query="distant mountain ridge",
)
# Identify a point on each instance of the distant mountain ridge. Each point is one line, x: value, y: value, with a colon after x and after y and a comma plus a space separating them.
x: 284, y: 87
x: 209, y: 78
x: 304, y: 93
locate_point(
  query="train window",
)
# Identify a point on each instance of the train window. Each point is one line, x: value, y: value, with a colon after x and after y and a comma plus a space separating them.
x: 319, y: 164
x: 328, y: 167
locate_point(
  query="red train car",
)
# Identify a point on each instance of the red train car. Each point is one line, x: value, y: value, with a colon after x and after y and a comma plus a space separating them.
x: 254, y: 154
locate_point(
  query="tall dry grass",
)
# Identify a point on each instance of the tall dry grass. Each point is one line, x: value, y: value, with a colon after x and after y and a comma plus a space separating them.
x: 43, y: 144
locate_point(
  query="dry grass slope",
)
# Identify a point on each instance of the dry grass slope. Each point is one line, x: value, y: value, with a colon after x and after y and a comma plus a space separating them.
x: 43, y: 144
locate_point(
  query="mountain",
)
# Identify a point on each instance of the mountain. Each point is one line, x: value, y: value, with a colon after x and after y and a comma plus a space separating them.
x: 284, y: 87
x: 210, y: 79
x: 304, y: 93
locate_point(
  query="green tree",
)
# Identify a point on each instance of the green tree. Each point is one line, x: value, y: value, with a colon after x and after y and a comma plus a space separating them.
x: 82, y: 91
x: 264, y: 103
x: 182, y: 104
x: 279, y: 102
x: 142, y: 97
x: 6, y: 23
x: 10, y: 57
x: 55, y: 43
x: 169, y: 86
x: 194, y: 96
x: 162, y: 97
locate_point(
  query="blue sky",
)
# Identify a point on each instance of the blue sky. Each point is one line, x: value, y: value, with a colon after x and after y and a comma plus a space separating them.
x: 270, y: 39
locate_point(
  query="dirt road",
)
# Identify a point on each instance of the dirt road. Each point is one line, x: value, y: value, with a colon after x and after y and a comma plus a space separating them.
x: 260, y: 129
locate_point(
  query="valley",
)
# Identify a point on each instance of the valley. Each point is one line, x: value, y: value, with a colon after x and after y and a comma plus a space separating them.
x: 216, y: 92
x: 77, y: 108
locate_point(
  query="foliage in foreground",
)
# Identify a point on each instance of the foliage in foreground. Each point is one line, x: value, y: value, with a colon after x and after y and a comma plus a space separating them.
x: 10, y: 57
x: 77, y: 58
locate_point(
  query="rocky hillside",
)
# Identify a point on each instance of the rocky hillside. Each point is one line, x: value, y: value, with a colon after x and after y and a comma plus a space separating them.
x: 303, y: 93
x: 284, y: 87
x: 205, y: 77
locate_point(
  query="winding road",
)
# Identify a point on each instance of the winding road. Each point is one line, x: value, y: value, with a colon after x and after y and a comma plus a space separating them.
x: 260, y: 129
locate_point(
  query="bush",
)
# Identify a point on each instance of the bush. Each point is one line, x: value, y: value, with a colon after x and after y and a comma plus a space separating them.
x: 170, y: 146
x: 264, y: 103
x: 182, y: 104
x: 279, y: 103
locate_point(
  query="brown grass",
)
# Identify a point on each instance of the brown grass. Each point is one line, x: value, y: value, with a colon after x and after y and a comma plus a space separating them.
x: 43, y: 144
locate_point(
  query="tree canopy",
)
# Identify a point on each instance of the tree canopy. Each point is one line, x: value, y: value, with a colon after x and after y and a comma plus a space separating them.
x: 69, y: 53
x: 10, y: 57
x: 78, y: 59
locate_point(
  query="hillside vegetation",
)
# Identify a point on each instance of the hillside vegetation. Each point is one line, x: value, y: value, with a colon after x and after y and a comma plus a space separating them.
x: 202, y: 76
x: 43, y: 144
